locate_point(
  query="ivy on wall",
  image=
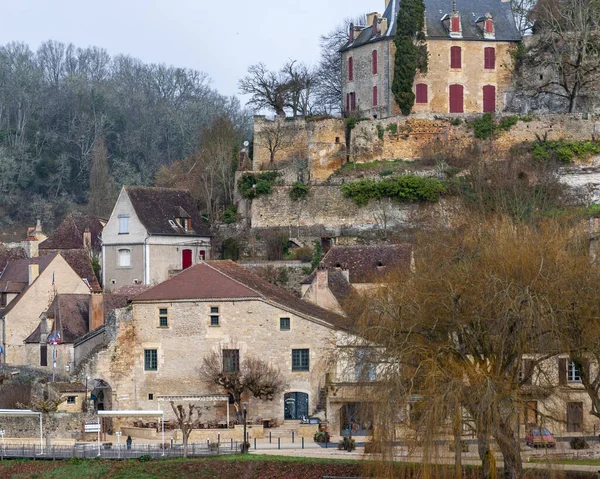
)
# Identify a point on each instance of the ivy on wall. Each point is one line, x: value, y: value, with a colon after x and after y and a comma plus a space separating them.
x: 409, y: 188
x: 253, y: 185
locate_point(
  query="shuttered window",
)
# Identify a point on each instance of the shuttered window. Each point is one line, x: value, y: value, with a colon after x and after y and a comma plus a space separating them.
x: 456, y: 24
x: 490, y: 58
x: 350, y: 69
x: 374, y: 96
x: 374, y: 62
x: 456, y: 99
x: 421, y: 91
x: 489, y: 26
x: 347, y: 101
x: 352, y: 101
x: 489, y: 98
x: 455, y: 57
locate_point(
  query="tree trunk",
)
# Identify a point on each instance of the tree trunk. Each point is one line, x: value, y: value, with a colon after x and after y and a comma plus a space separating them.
x: 511, y: 452
x: 457, y: 430
x: 488, y: 464
x: 185, y: 433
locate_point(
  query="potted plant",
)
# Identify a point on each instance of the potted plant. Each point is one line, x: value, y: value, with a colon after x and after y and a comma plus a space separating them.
x: 347, y: 444
x: 322, y: 436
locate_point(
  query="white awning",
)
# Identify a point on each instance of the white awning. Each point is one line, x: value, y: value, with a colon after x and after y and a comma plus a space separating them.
x: 195, y: 397
x: 154, y: 413
x: 19, y: 412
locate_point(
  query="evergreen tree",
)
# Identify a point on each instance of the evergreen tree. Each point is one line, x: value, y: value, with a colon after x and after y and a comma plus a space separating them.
x: 101, y: 200
x: 411, y: 52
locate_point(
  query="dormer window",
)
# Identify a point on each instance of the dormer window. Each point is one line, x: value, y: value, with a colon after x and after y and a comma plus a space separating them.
x: 487, y: 27
x: 185, y: 223
x: 455, y: 25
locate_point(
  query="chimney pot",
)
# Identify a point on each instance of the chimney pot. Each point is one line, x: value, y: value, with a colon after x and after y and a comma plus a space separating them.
x: 87, y: 239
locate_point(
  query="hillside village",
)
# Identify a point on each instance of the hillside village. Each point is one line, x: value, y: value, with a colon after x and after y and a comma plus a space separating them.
x: 379, y: 274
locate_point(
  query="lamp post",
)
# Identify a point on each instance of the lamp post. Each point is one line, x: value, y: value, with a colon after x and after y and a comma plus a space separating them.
x: 245, y: 443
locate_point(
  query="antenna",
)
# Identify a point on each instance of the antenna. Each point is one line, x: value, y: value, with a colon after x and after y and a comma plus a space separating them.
x: 454, y: 6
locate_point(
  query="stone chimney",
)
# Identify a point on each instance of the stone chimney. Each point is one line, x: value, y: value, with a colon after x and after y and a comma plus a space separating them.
x: 346, y: 272
x: 87, y: 239
x: 34, y: 272
x: 96, y: 311
x: 383, y: 25
x: 38, y: 226
x: 371, y: 17
x: 322, y: 277
x: 376, y: 25
x: 351, y: 33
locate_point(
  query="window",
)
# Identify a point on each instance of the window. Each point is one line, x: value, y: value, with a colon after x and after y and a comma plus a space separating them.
x: 374, y: 96
x: 300, y: 359
x: 574, y: 416
x: 347, y: 101
x: 421, y: 93
x: 214, y: 316
x: 123, y: 225
x: 124, y: 258
x: 489, y: 98
x: 350, y: 69
x: 455, y: 57
x: 202, y: 255
x: 2, y: 300
x: 43, y: 355
x: 374, y: 62
x: 353, y: 101
x: 284, y: 324
x: 185, y: 223
x: 489, y: 58
x: 150, y: 397
x: 231, y: 360
x: 489, y: 26
x: 456, y: 24
x: 150, y: 359
x: 364, y: 369
x: 71, y: 399
x: 163, y: 318
x: 573, y: 373
x: 456, y: 99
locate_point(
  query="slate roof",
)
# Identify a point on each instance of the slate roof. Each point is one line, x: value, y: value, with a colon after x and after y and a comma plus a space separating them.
x: 158, y: 207
x: 366, y: 264
x: 10, y: 254
x: 69, y: 234
x: 470, y: 11
x: 228, y: 280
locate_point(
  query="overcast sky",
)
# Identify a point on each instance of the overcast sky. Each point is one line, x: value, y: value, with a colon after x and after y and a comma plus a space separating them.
x: 221, y: 38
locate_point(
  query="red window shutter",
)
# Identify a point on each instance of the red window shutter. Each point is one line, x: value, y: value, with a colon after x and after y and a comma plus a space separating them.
x: 374, y: 62
x: 456, y: 24
x: 456, y: 99
x: 374, y: 96
x: 186, y: 258
x: 489, y: 98
x: 347, y: 101
x: 350, y: 69
x: 490, y: 58
x: 455, y: 57
x: 421, y: 93
x: 489, y: 26
x: 353, y: 101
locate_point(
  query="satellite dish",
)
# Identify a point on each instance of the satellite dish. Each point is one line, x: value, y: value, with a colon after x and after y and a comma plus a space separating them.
x: 246, y: 143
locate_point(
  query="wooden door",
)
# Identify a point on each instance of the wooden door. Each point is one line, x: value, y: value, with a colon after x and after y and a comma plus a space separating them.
x: 489, y: 98
x: 456, y: 99
x: 186, y: 258
x: 574, y: 416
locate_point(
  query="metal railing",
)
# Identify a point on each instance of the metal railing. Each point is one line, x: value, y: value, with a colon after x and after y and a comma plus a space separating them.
x: 120, y: 451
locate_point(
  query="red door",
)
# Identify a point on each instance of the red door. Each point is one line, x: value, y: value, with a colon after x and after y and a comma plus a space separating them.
x: 186, y: 258
x: 456, y: 99
x: 489, y: 98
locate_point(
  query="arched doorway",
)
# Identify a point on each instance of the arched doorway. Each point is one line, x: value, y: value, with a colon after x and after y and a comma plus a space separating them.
x: 295, y: 405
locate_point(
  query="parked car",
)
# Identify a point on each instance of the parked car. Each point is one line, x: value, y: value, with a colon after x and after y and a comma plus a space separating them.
x: 540, y: 437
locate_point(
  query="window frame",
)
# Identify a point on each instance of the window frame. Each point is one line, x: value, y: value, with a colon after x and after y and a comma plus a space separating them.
x: 163, y: 313
x: 123, y: 224
x: 233, y: 361
x: 43, y: 355
x: 300, y: 360
x: 71, y: 399
x: 151, y: 359
x: 573, y: 373
x: 120, y: 256
x: 214, y: 313
x: 281, y: 323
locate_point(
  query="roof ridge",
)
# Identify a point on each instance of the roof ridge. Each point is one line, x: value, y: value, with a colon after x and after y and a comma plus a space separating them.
x: 229, y: 277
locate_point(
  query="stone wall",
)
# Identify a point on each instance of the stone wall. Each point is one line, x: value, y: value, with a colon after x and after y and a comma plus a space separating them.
x: 60, y: 425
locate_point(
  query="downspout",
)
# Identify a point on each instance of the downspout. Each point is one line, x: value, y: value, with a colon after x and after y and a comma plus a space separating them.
x: 146, y: 261
x: 3, y: 318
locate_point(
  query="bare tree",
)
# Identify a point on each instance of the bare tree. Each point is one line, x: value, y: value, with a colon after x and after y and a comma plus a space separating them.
x: 522, y: 12
x: 329, y: 70
x: 300, y: 80
x: 565, y: 51
x: 268, y: 89
x: 187, y: 421
x: 101, y: 187
x: 276, y: 136
x: 253, y: 375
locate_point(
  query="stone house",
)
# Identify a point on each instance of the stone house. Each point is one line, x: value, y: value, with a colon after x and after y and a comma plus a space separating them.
x: 72, y: 396
x: 469, y: 43
x: 75, y: 233
x: 353, y: 268
x: 27, y: 288
x: 155, y: 347
x: 152, y: 234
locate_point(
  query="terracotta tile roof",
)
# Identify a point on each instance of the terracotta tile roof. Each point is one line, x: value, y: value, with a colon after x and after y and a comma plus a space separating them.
x: 158, y: 207
x: 129, y: 291
x: 69, y: 234
x: 225, y: 280
x: 366, y: 264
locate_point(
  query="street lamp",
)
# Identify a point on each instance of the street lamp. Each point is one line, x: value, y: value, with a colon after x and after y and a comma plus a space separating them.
x: 245, y: 443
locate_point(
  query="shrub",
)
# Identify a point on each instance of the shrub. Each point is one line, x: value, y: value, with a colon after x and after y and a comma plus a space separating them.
x: 347, y: 444
x: 392, y: 128
x: 322, y: 436
x: 402, y: 188
x: 564, y: 151
x: 304, y: 254
x: 276, y: 244
x: 484, y: 126
x: 351, y: 122
x: 380, y: 131
x: 145, y: 458
x: 317, y: 255
x: 231, y: 249
x: 299, y: 191
x: 253, y: 185
x: 579, y: 443
x: 230, y: 214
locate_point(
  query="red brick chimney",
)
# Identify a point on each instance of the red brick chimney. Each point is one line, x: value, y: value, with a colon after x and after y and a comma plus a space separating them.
x: 96, y: 311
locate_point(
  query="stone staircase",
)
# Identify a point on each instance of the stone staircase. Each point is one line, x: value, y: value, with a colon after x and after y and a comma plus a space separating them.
x: 283, y: 431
